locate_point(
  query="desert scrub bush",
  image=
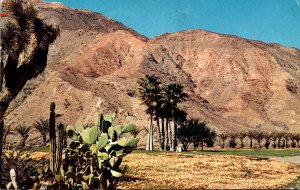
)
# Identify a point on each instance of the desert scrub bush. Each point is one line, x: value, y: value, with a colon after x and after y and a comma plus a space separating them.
x: 25, y: 168
x: 93, y: 158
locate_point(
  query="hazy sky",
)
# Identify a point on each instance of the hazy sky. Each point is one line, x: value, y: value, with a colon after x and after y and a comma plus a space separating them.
x: 266, y: 20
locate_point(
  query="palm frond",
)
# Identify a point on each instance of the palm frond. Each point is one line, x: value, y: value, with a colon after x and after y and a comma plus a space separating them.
x: 23, y: 130
x: 42, y: 126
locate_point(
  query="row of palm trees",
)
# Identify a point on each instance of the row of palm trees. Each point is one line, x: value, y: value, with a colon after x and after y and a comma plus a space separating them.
x: 41, y: 126
x: 263, y: 138
x: 162, y: 102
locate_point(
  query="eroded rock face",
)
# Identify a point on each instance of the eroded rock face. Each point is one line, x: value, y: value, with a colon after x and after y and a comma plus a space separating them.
x: 233, y: 83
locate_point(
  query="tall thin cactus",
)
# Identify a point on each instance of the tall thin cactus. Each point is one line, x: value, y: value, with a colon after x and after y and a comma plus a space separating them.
x: 60, y: 146
x: 56, y: 145
x: 52, y: 137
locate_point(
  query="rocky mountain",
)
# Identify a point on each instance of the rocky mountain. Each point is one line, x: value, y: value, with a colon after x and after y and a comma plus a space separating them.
x: 233, y: 83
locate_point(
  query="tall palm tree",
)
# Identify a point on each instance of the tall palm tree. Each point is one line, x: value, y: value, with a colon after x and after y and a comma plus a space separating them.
x: 23, y: 131
x: 42, y: 126
x: 149, y: 89
x: 172, y: 95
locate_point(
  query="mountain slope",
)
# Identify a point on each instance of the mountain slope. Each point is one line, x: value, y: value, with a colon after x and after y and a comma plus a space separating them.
x: 233, y: 83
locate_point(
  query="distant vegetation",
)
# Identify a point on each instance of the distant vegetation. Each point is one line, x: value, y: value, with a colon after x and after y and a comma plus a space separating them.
x: 173, y: 126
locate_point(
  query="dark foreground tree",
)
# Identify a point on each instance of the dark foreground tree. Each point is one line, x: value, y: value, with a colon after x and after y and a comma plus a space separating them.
x: 25, y: 40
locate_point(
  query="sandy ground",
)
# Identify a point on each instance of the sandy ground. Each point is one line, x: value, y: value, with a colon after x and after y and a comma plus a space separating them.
x: 207, y: 171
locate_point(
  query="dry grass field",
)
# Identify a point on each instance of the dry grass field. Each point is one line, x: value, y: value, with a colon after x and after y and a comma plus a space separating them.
x: 210, y: 171
x: 206, y: 171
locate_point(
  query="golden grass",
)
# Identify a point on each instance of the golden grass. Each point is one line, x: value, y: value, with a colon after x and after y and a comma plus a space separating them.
x: 206, y: 171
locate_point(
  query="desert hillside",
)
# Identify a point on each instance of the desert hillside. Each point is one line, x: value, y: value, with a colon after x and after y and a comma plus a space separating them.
x: 233, y: 83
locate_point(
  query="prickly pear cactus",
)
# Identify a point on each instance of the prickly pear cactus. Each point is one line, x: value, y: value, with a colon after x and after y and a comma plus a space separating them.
x: 93, y: 158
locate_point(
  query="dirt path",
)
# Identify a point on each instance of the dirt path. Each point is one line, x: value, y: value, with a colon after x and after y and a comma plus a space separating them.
x: 292, y: 159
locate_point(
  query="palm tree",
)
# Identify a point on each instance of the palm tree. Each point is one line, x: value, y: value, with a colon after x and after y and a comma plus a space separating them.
x: 279, y: 137
x: 250, y: 135
x: 258, y: 136
x: 23, y: 131
x: 298, y: 140
x: 7, y: 130
x: 274, y: 137
x: 286, y: 137
x: 242, y: 135
x: 268, y: 138
x: 149, y: 88
x: 232, y: 139
x: 211, y: 138
x: 135, y: 131
x: 42, y: 126
x: 172, y: 95
x: 293, y: 138
x: 223, y: 137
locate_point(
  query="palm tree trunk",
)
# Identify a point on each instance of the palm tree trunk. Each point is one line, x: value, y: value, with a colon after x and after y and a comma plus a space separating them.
x: 278, y: 145
x: 242, y: 143
x: 151, y: 133
x: 251, y: 143
x: 149, y: 145
x: 167, y: 134
x: 163, y: 133
x: 173, y: 135
x: 148, y: 136
x: 45, y: 140
x: 170, y: 135
x: 159, y: 134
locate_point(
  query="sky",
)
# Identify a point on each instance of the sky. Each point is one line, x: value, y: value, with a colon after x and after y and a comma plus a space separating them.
x: 266, y: 20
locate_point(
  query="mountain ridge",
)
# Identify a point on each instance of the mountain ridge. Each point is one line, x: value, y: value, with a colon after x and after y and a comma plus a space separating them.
x: 234, y: 83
